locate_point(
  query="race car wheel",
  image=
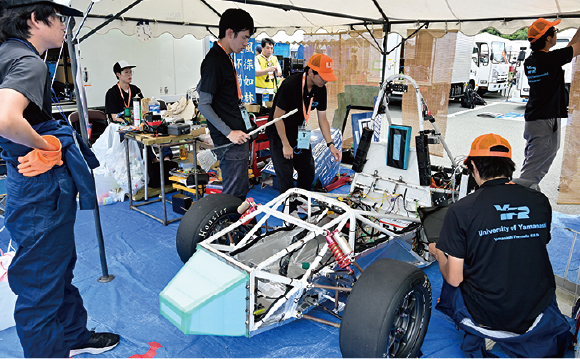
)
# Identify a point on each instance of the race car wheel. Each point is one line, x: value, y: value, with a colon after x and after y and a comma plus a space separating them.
x: 205, y: 217
x: 387, y: 312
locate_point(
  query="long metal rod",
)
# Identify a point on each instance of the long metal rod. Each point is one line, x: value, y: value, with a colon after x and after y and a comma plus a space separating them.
x: 386, y: 30
x: 321, y: 321
x: 304, y: 9
x: 330, y: 287
x: 84, y: 134
x: 109, y: 19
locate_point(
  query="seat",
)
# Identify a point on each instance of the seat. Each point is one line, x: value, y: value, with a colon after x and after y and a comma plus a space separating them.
x: 97, y: 118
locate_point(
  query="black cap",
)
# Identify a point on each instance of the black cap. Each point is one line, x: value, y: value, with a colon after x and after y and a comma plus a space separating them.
x: 64, y: 5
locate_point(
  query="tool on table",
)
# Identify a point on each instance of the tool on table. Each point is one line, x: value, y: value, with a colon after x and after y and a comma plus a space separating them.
x: 207, y: 158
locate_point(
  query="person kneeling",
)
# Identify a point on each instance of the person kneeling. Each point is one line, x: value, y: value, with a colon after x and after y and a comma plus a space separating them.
x: 498, y: 280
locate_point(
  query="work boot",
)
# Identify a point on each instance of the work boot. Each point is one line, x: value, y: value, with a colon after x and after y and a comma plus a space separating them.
x: 98, y: 343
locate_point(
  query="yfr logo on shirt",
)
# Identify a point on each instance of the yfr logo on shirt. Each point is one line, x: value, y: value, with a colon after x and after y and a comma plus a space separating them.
x: 511, y: 212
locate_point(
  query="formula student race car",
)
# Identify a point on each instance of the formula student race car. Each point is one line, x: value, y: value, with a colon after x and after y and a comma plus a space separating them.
x: 243, y: 276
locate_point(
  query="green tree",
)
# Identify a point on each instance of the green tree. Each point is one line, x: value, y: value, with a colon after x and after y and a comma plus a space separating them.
x: 521, y: 34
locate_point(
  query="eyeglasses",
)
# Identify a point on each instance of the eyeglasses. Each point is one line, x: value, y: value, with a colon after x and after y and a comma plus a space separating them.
x: 61, y: 17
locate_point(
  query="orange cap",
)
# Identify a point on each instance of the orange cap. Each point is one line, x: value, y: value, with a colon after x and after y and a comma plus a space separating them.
x: 483, y: 146
x: 539, y: 28
x: 323, y: 65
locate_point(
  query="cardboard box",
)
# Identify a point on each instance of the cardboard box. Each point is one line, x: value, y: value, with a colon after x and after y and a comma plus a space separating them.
x: 199, y: 131
x: 60, y: 74
x: 253, y: 108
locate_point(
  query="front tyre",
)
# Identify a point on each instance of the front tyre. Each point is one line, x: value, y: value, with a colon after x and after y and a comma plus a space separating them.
x: 387, y: 312
x: 205, y: 217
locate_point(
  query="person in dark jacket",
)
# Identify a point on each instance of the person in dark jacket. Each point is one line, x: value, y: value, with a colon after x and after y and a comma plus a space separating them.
x: 45, y: 170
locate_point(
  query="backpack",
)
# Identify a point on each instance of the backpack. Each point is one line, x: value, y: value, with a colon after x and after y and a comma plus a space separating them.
x: 478, y: 100
x: 468, y: 98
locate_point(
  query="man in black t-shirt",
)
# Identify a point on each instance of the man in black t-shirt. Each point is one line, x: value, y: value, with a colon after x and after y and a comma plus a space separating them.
x: 498, y: 280
x: 120, y: 96
x: 289, y: 138
x: 220, y: 100
x: 548, y: 101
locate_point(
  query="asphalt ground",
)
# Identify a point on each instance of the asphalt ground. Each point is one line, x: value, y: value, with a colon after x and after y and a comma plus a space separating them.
x: 464, y: 125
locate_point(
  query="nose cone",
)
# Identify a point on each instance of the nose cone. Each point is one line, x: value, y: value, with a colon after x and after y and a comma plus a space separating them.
x: 207, y: 296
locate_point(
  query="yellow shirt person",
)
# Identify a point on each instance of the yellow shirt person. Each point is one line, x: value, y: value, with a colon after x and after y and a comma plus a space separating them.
x: 267, y: 70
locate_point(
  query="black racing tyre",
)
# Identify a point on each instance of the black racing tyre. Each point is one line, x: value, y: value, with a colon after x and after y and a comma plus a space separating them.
x: 387, y: 312
x: 205, y: 217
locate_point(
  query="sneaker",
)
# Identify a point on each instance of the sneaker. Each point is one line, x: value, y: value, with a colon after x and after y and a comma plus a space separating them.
x: 98, y: 343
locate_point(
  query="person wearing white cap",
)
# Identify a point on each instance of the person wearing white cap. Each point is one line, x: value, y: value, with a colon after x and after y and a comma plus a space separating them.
x: 46, y: 171
x: 120, y: 96
x: 548, y: 101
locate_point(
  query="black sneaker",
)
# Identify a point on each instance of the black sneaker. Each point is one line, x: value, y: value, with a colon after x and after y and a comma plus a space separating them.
x: 98, y: 343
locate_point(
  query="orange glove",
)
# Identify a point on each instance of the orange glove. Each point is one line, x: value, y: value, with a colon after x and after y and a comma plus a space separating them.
x: 37, y: 161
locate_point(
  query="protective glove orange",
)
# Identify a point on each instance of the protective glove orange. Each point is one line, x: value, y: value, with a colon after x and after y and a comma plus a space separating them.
x: 37, y: 161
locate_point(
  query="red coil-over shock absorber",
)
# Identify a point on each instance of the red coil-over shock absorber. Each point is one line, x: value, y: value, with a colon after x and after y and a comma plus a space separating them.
x: 338, y: 245
x: 247, y: 207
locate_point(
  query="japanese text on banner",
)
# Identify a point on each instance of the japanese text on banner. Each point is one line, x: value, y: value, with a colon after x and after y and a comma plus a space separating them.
x: 246, y: 70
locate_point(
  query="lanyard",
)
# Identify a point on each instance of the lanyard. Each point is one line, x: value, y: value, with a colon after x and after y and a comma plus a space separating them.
x: 235, y: 72
x: 24, y: 42
x: 123, y: 97
x: 269, y: 61
x: 306, y: 114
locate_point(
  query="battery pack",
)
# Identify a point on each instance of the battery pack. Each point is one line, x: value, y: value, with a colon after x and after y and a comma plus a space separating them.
x: 399, y: 142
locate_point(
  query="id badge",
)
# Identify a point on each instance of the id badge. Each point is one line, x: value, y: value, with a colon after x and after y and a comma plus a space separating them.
x: 304, y: 134
x: 246, y: 117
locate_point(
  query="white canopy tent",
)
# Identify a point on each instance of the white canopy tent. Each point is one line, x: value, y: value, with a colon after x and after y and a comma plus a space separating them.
x: 200, y: 17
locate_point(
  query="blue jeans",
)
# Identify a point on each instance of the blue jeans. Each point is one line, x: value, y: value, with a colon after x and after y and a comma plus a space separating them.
x: 234, y: 167
x: 549, y: 337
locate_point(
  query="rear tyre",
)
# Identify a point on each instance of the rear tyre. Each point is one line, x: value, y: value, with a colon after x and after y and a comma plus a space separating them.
x: 387, y: 312
x: 205, y: 217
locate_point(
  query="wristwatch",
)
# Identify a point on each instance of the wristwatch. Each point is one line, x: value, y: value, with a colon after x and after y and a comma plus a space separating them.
x: 330, y: 143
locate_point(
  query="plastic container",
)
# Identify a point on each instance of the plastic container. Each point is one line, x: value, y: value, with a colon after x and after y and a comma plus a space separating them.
x: 154, y: 107
x: 136, y: 111
x: 7, y: 303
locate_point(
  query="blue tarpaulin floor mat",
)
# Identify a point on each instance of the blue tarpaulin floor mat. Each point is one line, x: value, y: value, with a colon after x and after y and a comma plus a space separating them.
x: 141, y: 255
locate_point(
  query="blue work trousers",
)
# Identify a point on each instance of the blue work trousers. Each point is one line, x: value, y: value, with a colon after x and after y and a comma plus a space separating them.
x: 40, y: 215
x: 549, y: 336
x: 234, y: 167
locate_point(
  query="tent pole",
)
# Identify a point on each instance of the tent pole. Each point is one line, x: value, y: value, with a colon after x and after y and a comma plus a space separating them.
x: 307, y: 10
x: 78, y: 87
x: 109, y: 19
x: 386, y: 30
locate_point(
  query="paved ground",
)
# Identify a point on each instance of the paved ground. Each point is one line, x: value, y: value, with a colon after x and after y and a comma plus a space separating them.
x: 465, y: 125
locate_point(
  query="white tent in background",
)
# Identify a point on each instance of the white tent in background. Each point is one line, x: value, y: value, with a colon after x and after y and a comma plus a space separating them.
x: 201, y: 17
